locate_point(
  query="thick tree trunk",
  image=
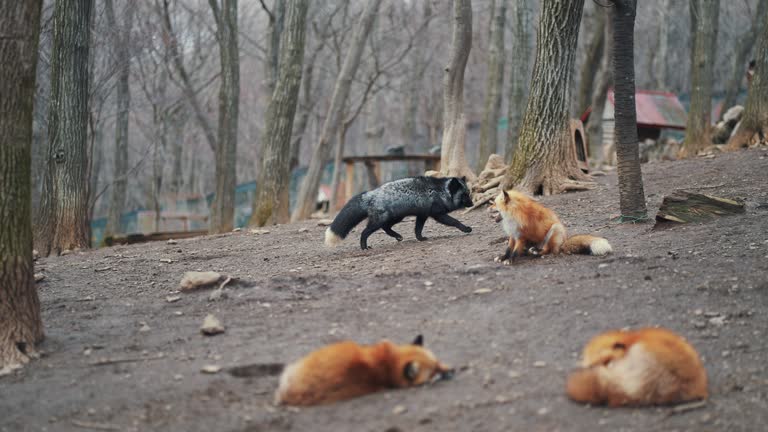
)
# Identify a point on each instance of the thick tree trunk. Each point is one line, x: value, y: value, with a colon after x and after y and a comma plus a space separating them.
x: 121, y: 39
x: 322, y: 149
x: 270, y: 203
x: 545, y: 160
x: 754, y: 122
x: 592, y: 61
x: 631, y: 195
x: 453, y: 161
x: 743, y: 48
x: 603, y: 81
x: 63, y: 219
x: 520, y: 71
x: 704, y: 16
x: 223, y: 207
x: 20, y: 324
x: 489, y: 129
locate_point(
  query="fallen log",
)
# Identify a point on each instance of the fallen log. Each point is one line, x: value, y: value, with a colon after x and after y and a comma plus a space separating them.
x: 686, y: 207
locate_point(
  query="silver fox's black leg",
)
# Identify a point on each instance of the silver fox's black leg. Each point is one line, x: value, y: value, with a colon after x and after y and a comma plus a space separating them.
x: 420, y: 221
x: 370, y: 229
x: 388, y: 229
x: 447, y: 220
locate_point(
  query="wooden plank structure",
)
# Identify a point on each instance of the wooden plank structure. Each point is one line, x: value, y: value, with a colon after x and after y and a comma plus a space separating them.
x: 373, y: 168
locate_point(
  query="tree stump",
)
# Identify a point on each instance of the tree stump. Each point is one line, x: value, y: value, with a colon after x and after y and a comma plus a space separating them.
x: 687, y: 207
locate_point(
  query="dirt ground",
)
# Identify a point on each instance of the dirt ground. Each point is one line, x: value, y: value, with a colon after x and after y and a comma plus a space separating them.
x: 513, y: 344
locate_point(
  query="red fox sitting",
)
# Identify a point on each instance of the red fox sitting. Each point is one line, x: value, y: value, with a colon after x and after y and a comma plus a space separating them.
x: 642, y: 367
x: 346, y: 370
x: 531, y: 225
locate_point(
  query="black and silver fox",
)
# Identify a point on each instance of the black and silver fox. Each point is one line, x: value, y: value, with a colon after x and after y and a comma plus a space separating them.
x: 388, y: 204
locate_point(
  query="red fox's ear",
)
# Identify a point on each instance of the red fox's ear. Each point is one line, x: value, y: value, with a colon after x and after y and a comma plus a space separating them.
x: 506, y: 196
x: 419, y: 341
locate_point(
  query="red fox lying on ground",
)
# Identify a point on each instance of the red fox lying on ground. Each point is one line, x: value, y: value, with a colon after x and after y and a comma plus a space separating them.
x: 531, y: 225
x: 346, y: 370
x: 642, y: 367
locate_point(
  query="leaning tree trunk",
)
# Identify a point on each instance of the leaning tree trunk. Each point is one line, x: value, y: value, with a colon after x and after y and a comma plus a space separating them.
x: 631, y: 195
x: 744, y: 46
x: 755, y: 118
x: 223, y: 207
x: 489, y: 129
x: 704, y: 15
x: 453, y: 161
x: 603, y: 81
x: 120, y: 43
x: 592, y: 61
x: 20, y: 324
x: 63, y: 216
x: 309, y: 187
x: 545, y: 160
x: 271, y: 200
x: 519, y: 76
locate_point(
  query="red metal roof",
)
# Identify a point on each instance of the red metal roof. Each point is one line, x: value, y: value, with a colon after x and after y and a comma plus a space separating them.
x: 655, y: 109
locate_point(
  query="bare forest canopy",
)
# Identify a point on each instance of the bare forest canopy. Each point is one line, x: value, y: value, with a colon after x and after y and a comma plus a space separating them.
x: 396, y: 94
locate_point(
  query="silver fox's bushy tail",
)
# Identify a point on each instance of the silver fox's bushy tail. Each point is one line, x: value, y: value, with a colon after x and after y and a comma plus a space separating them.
x: 352, y: 214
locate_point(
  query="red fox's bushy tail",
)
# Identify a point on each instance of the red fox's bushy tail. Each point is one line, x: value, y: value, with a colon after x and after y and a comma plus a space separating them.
x: 587, y: 245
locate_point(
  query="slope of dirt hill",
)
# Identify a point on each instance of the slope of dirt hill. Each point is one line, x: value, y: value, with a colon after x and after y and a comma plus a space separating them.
x: 514, y: 332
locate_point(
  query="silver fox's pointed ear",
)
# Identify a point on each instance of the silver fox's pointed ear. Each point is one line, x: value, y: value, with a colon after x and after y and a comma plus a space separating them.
x: 419, y: 341
x: 464, y: 179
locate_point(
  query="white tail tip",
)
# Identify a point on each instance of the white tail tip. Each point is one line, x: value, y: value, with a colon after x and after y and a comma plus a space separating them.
x: 331, y: 239
x: 600, y: 247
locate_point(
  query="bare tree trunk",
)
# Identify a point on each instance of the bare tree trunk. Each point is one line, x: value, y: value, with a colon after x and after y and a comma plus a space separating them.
x: 63, y: 218
x: 704, y: 16
x: 178, y: 120
x: 418, y: 65
x: 121, y: 39
x: 274, y: 32
x: 20, y: 324
x: 223, y: 207
x: 631, y: 195
x: 663, y: 45
x: 520, y: 71
x: 309, y: 187
x: 189, y: 91
x: 755, y: 118
x: 453, y: 161
x: 742, y: 50
x: 489, y: 130
x: 594, y: 127
x: 545, y: 160
x: 592, y: 61
x: 270, y: 202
